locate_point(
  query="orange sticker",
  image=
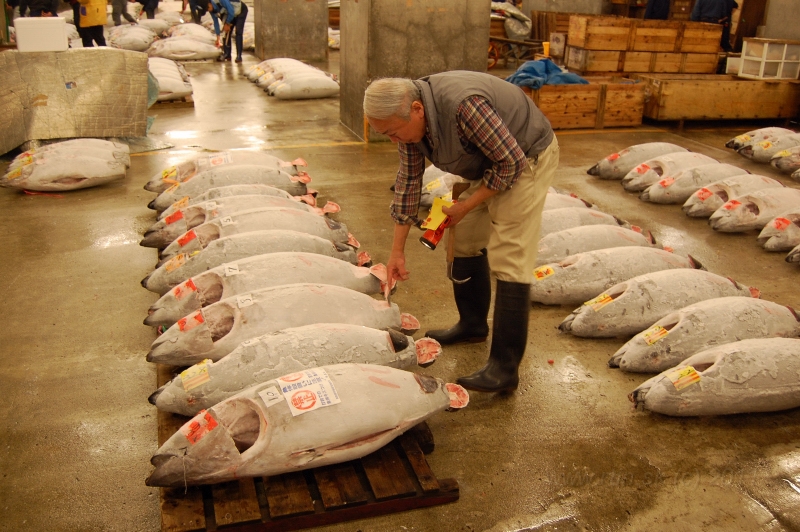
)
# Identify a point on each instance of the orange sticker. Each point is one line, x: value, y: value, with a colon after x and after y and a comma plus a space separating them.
x: 183, y: 289
x: 14, y: 174
x: 612, y: 157
x: 190, y: 322
x: 732, y: 204
x: 181, y: 203
x: 765, y: 144
x: 543, y: 272
x: 642, y: 168
x: 781, y: 223
x: 174, y: 217
x: 703, y: 194
x: 175, y: 262
x: 198, y: 427
x: 654, y: 334
x: 188, y: 237
x: 681, y: 378
x: 599, y: 302
x: 666, y: 182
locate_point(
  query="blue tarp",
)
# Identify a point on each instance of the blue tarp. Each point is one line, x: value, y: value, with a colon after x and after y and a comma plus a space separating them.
x: 534, y: 74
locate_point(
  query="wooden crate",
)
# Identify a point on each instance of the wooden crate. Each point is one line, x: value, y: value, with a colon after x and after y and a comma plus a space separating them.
x: 654, y: 35
x: 333, y: 17
x: 700, y: 38
x: 394, y: 478
x: 597, y: 61
x: 547, y: 22
x: 599, y: 33
x: 605, y: 102
x: 712, y: 97
x: 497, y: 28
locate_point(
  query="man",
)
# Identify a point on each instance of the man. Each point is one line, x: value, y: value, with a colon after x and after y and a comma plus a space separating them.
x: 657, y: 10
x: 234, y: 13
x: 119, y: 9
x: 93, y: 16
x: 486, y: 130
x: 716, y: 12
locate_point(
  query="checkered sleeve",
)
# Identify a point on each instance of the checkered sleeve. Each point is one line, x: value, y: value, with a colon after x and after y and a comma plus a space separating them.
x: 408, y: 185
x: 479, y: 124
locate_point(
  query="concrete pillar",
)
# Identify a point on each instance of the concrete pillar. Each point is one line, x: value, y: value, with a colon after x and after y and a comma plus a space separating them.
x: 292, y: 28
x: 406, y: 38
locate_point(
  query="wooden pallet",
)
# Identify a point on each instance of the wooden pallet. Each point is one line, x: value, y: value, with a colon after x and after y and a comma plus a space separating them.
x: 393, y: 479
x: 186, y: 101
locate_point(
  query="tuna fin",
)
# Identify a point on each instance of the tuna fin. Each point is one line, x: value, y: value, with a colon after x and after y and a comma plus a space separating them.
x: 331, y: 208
x: 308, y: 199
x: 459, y: 397
x: 649, y: 236
x: 301, y: 177
x: 793, y: 313
x: 299, y: 162
x: 351, y: 240
x: 622, y: 222
x: 696, y: 264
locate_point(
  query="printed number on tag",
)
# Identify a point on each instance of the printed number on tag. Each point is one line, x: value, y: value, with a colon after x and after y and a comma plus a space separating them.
x: 227, y: 220
x: 244, y: 300
x: 231, y: 269
x: 271, y: 396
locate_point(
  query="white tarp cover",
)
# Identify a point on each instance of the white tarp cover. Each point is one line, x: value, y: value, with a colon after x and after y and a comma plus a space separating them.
x: 92, y: 92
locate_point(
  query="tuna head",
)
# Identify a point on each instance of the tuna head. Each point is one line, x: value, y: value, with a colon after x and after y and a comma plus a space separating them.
x: 187, y: 341
x: 735, y: 216
x: 642, y: 177
x: 596, y: 303
x: 187, y: 297
x: 629, y: 356
x: 781, y: 233
x: 211, y: 446
x: 193, y: 240
x: 166, y: 230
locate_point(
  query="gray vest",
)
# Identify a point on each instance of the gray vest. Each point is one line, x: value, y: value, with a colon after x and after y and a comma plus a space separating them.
x: 441, y: 96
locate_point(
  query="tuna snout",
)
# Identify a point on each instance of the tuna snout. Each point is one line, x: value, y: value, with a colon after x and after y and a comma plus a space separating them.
x: 152, y: 239
x: 566, y: 325
x: 154, y: 396
x: 152, y: 205
x: 645, y: 195
x: 594, y: 170
x: 637, y: 396
x: 144, y: 281
x: 169, y: 471
x: 614, y: 361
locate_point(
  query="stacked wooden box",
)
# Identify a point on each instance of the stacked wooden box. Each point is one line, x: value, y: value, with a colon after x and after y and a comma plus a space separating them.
x: 598, y: 45
x: 547, y: 22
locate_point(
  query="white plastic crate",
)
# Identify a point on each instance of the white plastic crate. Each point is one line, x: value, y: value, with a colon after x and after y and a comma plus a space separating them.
x: 41, y: 34
x: 770, y: 59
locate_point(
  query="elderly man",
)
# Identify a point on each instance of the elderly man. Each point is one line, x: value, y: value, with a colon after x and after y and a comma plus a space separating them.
x: 488, y: 131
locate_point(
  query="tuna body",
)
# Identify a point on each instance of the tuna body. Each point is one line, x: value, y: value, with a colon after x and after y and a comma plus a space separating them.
x: 555, y: 220
x: 679, y: 188
x: 617, y: 165
x: 70, y: 172
x: 703, y: 325
x: 782, y: 233
x: 757, y: 135
x: 558, y: 246
x: 662, y: 167
x: 754, y: 210
x: 708, y: 199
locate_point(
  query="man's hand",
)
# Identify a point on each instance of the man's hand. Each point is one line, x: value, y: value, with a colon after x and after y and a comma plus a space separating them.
x: 461, y: 208
x: 226, y: 27
x: 396, y: 269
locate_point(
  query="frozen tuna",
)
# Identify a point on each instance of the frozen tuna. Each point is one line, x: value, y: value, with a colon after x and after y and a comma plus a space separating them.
x: 754, y: 210
x: 217, y: 329
x: 167, y: 229
x: 223, y: 176
x: 680, y: 187
x: 662, y: 167
x: 787, y: 161
x: 234, y: 190
x: 782, y: 233
x: 131, y: 37
x: 554, y: 200
x: 558, y: 246
x: 555, y: 220
x: 762, y: 152
x: 692, y: 329
x: 268, y: 357
x: 182, y: 49
x: 186, y: 170
x: 307, y: 419
x: 53, y: 174
x: 66, y: 152
x: 261, y: 271
x: 257, y: 220
x: 708, y: 199
x: 618, y: 164
x: 580, y: 277
x: 633, y: 305
x: 238, y: 247
x: 76, y: 146
x: 794, y: 255
x: 758, y: 375
x: 757, y: 135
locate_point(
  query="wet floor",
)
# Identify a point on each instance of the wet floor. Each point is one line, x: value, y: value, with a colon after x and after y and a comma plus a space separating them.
x: 566, y: 452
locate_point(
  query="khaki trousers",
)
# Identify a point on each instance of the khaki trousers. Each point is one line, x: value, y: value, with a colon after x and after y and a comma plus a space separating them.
x: 508, y: 224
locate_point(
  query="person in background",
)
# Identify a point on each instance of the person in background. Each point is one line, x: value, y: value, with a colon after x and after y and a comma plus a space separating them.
x: 657, y: 10
x: 120, y: 9
x: 41, y: 8
x: 235, y: 13
x: 92, y: 19
x: 149, y: 7
x: 197, y: 10
x: 716, y: 12
x: 76, y: 16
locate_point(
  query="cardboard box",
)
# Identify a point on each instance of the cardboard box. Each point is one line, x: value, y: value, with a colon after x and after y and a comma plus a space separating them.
x: 36, y: 34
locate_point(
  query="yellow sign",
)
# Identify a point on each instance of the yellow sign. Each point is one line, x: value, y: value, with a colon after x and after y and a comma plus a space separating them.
x: 543, y: 272
x: 683, y: 377
x: 599, y: 302
x: 654, y: 334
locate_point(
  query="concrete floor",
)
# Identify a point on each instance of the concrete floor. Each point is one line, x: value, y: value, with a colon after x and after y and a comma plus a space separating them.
x: 566, y: 452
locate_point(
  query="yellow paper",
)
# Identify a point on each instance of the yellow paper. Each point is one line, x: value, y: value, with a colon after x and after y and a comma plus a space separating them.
x: 543, y: 272
x: 196, y: 375
x: 681, y: 378
x: 436, y: 216
x: 433, y: 184
x: 181, y: 203
x: 175, y: 262
x: 15, y: 174
x: 654, y: 334
x: 599, y: 302
x: 169, y: 173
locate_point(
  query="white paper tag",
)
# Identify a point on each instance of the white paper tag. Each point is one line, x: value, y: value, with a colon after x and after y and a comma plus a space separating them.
x: 211, y: 205
x: 231, y: 269
x: 244, y: 300
x: 227, y: 220
x: 270, y: 396
x: 306, y: 391
x: 218, y: 159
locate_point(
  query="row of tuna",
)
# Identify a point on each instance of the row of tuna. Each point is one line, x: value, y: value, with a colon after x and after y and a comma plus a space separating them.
x: 777, y: 146
x: 290, y: 79
x: 268, y: 300
x: 732, y: 199
x: 68, y: 165
x: 173, y: 81
x: 718, y: 347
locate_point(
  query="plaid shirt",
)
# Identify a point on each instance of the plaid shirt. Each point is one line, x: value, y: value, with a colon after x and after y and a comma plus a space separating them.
x: 479, y: 128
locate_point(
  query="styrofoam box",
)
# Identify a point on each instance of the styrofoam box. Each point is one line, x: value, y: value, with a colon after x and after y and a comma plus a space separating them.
x: 41, y: 34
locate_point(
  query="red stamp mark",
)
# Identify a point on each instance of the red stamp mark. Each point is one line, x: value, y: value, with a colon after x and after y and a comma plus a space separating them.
x: 292, y: 377
x: 732, y: 204
x: 703, y: 194
x: 174, y: 217
x: 188, y: 237
x: 781, y: 223
x: 198, y: 427
x: 190, y: 322
x: 304, y: 399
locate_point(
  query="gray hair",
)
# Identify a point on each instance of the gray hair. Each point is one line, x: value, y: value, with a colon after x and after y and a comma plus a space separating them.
x: 387, y: 97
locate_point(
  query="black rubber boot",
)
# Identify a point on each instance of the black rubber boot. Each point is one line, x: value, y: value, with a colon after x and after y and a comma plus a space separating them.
x: 472, y: 301
x: 509, y: 338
